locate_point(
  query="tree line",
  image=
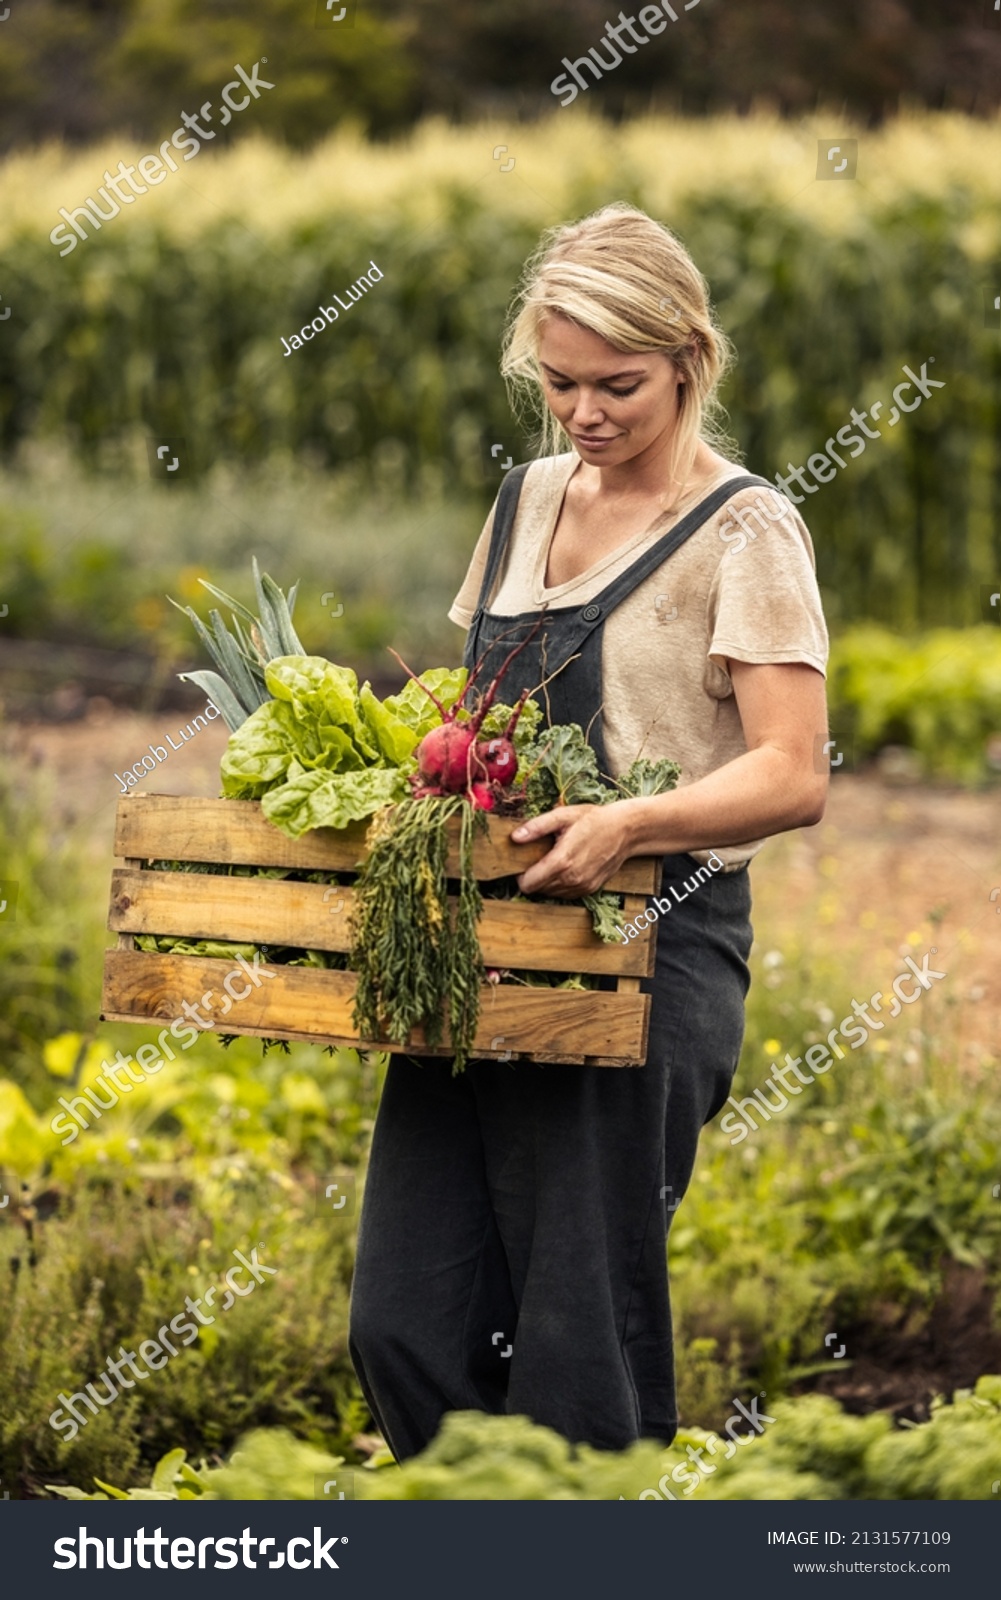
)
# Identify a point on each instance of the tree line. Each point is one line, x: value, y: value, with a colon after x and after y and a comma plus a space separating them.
x: 79, y: 69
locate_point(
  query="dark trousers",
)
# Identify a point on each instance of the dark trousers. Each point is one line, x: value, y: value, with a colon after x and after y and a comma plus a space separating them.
x: 511, y: 1253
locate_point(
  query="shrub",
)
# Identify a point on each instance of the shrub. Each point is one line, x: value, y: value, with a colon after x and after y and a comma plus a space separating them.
x: 810, y: 1451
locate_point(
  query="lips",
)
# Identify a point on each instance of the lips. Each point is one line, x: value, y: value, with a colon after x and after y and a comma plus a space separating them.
x: 595, y: 439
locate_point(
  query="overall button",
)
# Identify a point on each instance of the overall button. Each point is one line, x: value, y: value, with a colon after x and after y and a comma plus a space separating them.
x: 591, y: 613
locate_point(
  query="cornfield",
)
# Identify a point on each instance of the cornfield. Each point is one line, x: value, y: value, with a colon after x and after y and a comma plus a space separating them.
x: 169, y: 320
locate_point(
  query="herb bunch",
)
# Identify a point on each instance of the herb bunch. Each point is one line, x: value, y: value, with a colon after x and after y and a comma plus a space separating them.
x: 415, y: 965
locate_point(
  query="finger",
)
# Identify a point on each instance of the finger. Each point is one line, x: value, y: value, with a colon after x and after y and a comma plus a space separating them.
x: 538, y: 827
x: 549, y: 877
x: 528, y: 884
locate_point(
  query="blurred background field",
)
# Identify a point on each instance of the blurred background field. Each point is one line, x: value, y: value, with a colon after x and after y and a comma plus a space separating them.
x: 364, y: 465
x: 168, y: 324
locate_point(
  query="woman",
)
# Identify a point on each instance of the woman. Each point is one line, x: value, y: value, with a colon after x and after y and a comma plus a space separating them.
x: 512, y: 1249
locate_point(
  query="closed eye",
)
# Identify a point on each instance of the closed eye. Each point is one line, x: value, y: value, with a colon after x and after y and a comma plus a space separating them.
x: 620, y: 394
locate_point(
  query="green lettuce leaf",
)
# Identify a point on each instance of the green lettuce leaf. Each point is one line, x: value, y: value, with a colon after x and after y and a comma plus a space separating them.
x: 259, y: 751
x: 332, y: 799
x: 166, y: 944
x: 323, y: 752
x: 412, y: 705
x: 337, y: 751
x: 497, y: 719
x: 606, y: 915
x: 395, y: 738
x: 321, y: 693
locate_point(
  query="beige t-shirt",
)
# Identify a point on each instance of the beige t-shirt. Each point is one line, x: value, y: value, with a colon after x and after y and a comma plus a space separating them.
x: 747, y: 591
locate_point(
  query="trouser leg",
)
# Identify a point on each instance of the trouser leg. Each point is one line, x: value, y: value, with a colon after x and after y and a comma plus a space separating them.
x: 431, y: 1283
x: 698, y: 1012
x: 585, y: 1166
x: 696, y: 1028
x: 573, y: 1194
x: 528, y: 1205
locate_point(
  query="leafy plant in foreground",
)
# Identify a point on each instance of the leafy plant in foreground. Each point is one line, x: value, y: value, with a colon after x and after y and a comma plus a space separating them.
x: 811, y: 1451
x: 241, y: 659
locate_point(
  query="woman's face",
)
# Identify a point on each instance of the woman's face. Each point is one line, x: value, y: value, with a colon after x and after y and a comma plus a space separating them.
x: 614, y: 405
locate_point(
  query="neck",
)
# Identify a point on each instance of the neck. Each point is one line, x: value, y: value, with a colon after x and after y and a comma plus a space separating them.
x: 657, y: 473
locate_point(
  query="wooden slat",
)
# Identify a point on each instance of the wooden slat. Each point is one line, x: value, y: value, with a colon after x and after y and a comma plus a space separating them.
x: 126, y: 941
x: 631, y: 904
x: 269, y: 911
x: 186, y: 828
x: 303, y: 1004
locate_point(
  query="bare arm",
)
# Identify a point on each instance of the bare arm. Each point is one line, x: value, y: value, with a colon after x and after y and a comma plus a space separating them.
x: 775, y: 786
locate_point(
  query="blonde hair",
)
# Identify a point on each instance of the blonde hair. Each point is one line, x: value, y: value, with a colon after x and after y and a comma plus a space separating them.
x: 630, y: 280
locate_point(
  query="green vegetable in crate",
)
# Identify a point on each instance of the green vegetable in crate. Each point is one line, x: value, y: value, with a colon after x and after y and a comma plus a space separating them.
x: 412, y: 961
x: 241, y: 659
x: 306, y: 742
x: 455, y: 757
x: 318, y: 751
x: 322, y: 752
x: 562, y: 770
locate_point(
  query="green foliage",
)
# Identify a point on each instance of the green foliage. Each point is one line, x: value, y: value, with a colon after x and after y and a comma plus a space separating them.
x: 825, y: 308
x: 606, y: 915
x: 837, y: 1215
x: 139, y: 64
x: 940, y: 694
x: 49, y: 942
x: 562, y: 770
x: 115, y: 1266
x: 323, y: 753
x: 414, y: 963
x: 271, y: 1465
x: 526, y: 728
x: 268, y: 1464
x: 155, y: 543
x: 811, y: 1450
x: 242, y: 660
x: 416, y: 710
x: 856, y: 1202
x: 109, y: 1233
x: 475, y: 1457
x: 647, y: 777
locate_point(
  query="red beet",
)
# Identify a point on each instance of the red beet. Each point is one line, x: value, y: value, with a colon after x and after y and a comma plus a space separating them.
x: 499, y: 760
x: 452, y: 760
x: 443, y: 756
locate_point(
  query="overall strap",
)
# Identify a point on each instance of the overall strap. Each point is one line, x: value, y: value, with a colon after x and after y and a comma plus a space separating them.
x: 504, y: 514
x: 646, y: 564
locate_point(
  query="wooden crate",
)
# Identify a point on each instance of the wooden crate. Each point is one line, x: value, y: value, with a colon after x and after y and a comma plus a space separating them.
x: 591, y: 1027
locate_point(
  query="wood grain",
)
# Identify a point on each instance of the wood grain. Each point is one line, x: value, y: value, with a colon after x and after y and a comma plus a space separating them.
x: 598, y: 1028
x: 269, y: 911
x: 184, y: 828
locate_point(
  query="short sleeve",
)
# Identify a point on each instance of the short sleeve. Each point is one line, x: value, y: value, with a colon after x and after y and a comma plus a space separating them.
x: 464, y: 605
x: 764, y: 603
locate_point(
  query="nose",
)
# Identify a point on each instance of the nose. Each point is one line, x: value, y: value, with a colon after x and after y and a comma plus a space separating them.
x: 588, y: 412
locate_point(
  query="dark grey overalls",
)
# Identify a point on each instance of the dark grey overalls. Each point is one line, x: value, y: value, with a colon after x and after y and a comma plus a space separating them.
x: 511, y: 1254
